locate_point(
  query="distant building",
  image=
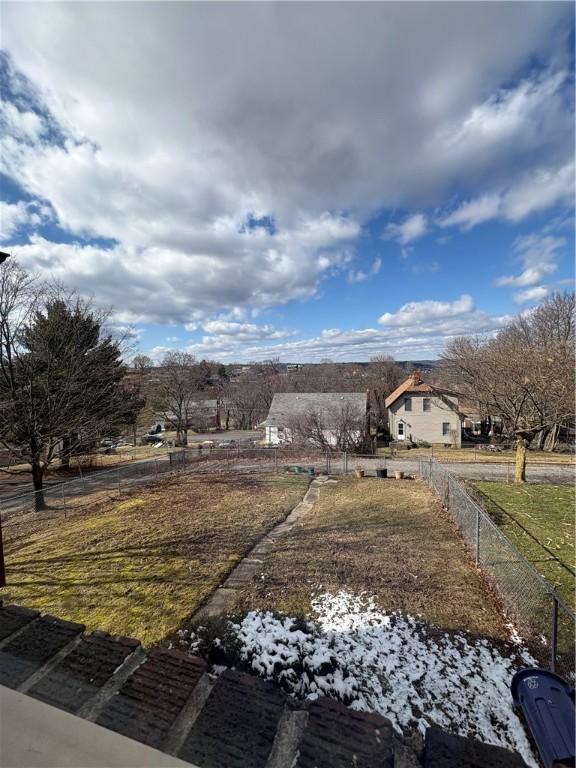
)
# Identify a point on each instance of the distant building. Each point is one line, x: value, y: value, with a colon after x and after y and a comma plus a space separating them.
x: 287, y: 407
x: 418, y: 411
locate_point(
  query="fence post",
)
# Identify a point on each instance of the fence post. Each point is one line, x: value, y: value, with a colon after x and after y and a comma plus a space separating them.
x: 156, y: 468
x: 118, y: 479
x: 508, y: 472
x: 477, y: 536
x: 345, y: 462
x: 275, y: 460
x: 63, y: 499
x: 554, y: 643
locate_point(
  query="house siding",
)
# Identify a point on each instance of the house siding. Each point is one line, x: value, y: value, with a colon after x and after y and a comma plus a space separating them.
x: 425, y: 425
x: 275, y: 436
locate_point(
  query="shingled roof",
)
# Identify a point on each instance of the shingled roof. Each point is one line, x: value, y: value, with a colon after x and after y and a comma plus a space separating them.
x: 415, y: 384
x: 165, y: 699
x: 288, y: 405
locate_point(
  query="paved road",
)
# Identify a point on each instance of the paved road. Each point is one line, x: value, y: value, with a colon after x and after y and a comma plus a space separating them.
x: 556, y: 474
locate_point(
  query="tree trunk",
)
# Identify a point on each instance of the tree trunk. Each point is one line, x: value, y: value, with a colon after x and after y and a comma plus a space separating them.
x: 520, y: 469
x: 38, y: 481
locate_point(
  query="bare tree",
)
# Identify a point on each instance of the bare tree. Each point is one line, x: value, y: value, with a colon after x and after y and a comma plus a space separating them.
x: 384, y: 375
x: 247, y: 399
x: 344, y: 430
x: 142, y: 364
x: 524, y: 375
x: 177, y: 390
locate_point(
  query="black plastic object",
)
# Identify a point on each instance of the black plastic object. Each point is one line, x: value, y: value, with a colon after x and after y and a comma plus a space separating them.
x: 381, y: 472
x: 547, y: 703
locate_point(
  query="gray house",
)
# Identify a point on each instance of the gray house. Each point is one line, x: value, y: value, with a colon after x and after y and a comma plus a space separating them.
x: 331, y: 407
x: 419, y: 411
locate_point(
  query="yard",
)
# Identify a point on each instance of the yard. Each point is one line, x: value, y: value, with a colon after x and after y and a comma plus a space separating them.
x: 387, y: 539
x: 138, y: 566
x: 539, y: 519
x: 373, y: 600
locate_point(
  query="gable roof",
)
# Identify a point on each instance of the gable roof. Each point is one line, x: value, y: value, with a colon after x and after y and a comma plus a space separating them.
x: 416, y: 384
x: 286, y: 405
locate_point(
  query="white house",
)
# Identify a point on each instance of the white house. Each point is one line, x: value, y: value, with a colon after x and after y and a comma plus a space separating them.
x: 287, y: 407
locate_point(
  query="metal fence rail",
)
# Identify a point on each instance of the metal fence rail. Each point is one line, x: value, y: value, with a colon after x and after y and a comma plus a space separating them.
x: 541, y: 615
x: 59, y: 498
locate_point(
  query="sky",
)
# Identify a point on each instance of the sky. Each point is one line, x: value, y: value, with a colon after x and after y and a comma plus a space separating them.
x: 307, y: 181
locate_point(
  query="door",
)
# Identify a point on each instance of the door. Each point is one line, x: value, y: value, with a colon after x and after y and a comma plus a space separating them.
x: 401, y: 435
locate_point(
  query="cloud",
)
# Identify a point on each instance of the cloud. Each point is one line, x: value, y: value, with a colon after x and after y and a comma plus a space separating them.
x: 165, y: 285
x: 22, y: 124
x: 313, y: 144
x: 535, y: 294
x: 421, y: 336
x: 473, y: 212
x: 538, y: 254
x: 244, y: 331
x: 17, y: 216
x: 412, y: 228
x: 419, y: 312
x: 534, y: 192
x: 359, y: 275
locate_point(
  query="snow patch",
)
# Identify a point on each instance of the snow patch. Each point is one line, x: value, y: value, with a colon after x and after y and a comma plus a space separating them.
x: 411, y: 673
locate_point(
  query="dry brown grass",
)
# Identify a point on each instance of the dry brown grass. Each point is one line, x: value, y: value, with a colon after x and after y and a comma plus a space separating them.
x: 141, y: 564
x: 390, y: 539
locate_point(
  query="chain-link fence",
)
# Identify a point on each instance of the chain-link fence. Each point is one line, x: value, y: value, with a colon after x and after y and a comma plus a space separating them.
x: 61, y: 497
x: 539, y: 613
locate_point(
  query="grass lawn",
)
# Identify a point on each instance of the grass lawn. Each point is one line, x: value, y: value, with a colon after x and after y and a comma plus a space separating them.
x: 547, y: 513
x: 139, y: 566
x: 388, y: 539
x: 480, y: 456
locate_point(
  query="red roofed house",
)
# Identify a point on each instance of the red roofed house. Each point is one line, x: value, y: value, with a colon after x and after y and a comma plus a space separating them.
x: 418, y: 411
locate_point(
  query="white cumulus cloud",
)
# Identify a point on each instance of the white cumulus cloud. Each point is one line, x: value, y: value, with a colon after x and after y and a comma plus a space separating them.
x: 418, y: 312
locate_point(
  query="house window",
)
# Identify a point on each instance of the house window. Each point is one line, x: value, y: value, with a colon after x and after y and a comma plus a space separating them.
x: 407, y: 403
x: 445, y: 428
x: 426, y: 404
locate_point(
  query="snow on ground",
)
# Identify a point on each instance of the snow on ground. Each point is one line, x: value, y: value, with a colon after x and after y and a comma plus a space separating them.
x: 391, y: 664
